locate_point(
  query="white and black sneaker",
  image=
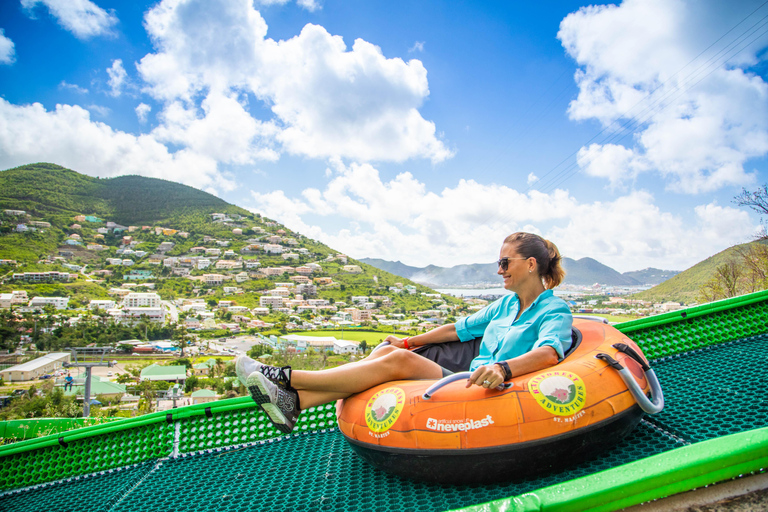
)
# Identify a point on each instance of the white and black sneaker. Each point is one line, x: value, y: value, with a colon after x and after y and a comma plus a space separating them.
x: 245, y: 366
x: 281, y: 405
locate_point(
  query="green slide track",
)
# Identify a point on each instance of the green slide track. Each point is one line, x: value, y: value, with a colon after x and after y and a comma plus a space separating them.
x: 225, y: 455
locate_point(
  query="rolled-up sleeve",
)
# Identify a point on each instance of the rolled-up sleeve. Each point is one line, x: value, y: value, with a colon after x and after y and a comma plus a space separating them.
x: 473, y: 326
x: 555, y: 331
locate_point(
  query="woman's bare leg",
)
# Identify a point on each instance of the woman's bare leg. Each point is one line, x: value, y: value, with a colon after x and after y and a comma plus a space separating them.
x: 309, y: 398
x: 319, y: 387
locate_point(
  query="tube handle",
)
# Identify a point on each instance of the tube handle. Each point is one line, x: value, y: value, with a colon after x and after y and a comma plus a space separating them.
x: 651, y: 406
x: 453, y: 378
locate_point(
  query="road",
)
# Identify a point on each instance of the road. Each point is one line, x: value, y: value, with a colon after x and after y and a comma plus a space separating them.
x: 171, y: 311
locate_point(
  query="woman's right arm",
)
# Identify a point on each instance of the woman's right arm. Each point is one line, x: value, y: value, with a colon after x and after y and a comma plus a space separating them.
x: 440, y: 334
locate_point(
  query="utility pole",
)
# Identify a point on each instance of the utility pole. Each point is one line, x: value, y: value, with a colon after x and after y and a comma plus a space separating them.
x: 88, y: 357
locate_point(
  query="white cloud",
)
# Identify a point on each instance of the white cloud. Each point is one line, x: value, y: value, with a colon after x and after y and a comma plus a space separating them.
x: 362, y: 215
x: 73, y: 87
x: 328, y: 100
x: 310, y: 5
x: 99, y: 110
x: 615, y: 163
x: 68, y: 137
x: 632, y: 232
x: 703, y: 119
x: 418, y: 46
x: 81, y: 17
x: 142, y: 111
x: 221, y: 129
x: 7, y: 49
x: 117, y: 77
x: 532, y: 178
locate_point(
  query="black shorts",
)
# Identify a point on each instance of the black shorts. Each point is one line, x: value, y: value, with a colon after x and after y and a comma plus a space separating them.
x: 453, y: 357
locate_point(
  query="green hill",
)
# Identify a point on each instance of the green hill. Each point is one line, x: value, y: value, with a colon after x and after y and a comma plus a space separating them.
x: 685, y: 286
x: 53, y: 194
x: 51, y: 191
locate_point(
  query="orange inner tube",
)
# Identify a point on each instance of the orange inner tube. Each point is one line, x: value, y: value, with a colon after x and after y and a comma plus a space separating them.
x: 579, y: 392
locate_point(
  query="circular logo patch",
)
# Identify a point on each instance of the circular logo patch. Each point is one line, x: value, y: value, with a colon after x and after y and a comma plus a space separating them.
x: 559, y: 392
x: 383, y: 409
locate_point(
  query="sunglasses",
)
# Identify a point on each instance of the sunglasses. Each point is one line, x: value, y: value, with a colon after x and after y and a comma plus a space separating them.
x: 503, y: 263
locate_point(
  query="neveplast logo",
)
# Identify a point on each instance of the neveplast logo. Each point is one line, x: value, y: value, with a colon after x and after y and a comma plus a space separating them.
x: 383, y: 409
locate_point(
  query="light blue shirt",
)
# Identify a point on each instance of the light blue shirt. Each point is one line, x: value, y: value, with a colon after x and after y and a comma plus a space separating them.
x: 546, y: 322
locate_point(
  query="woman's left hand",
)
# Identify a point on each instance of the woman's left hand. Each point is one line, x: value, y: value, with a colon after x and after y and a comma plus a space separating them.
x: 487, y: 376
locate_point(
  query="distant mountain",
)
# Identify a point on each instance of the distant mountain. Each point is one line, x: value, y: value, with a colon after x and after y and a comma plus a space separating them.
x: 651, y: 276
x: 584, y: 272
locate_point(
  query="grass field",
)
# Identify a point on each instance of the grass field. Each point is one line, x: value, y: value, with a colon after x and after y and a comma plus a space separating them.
x: 371, y: 338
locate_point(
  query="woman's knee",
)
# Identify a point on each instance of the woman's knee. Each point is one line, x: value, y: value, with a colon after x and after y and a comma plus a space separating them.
x: 405, y: 363
x: 382, y: 351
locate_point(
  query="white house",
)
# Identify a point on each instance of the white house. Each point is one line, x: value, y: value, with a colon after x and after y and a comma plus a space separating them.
x: 279, y: 292
x: 345, y: 347
x: 141, y: 300
x: 213, y: 279
x: 273, y: 248
x: 102, y: 304
x: 57, y: 302
x: 270, y: 300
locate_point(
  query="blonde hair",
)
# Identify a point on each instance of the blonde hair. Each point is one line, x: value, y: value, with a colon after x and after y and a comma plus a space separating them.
x: 548, y: 259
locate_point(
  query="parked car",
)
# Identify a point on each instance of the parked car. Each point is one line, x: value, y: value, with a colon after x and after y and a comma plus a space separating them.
x: 46, y: 376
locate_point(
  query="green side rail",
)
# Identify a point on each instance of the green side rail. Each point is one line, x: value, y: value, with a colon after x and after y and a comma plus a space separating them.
x: 679, y: 470
x: 21, y: 430
x: 128, y: 424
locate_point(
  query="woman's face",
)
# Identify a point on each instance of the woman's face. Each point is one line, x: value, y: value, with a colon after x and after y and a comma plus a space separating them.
x: 518, y: 270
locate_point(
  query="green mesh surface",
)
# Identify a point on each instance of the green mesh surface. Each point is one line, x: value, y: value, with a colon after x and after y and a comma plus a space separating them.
x: 715, y: 391
x: 313, y: 471
x: 702, y: 326
x: 710, y: 392
x: 236, y: 460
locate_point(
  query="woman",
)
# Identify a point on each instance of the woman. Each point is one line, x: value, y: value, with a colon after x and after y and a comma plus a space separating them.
x: 522, y: 332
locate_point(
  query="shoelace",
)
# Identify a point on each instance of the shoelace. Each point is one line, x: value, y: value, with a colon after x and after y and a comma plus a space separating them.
x: 276, y: 374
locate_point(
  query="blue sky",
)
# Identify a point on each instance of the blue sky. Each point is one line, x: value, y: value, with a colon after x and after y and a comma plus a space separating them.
x: 423, y: 132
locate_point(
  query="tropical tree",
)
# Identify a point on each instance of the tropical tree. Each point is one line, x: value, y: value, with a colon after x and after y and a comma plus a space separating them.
x: 180, y: 336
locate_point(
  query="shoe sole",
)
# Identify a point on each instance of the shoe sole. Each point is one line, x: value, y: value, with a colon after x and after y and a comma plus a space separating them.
x: 260, y: 395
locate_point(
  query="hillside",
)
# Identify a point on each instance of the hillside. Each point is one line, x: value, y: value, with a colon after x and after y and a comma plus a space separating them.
x: 582, y: 272
x: 685, y: 286
x: 40, y: 233
x: 53, y: 194
x: 57, y: 193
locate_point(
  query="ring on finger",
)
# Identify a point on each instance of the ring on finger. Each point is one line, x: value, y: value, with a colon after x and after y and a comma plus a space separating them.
x: 486, y: 383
